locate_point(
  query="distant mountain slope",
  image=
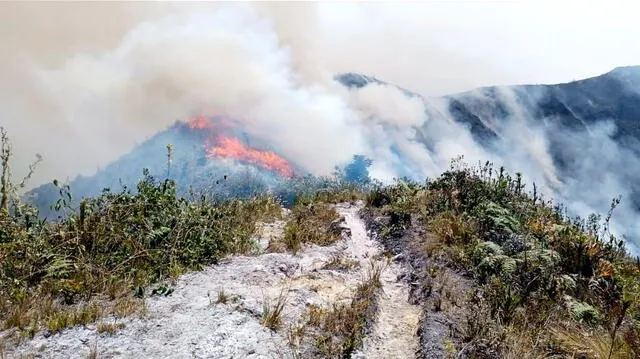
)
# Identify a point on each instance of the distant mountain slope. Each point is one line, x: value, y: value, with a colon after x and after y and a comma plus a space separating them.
x: 189, y: 166
x: 612, y: 96
x: 606, y: 109
x: 575, y: 107
x: 590, y: 129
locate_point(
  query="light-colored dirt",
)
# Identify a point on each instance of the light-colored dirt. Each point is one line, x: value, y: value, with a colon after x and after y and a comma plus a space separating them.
x: 395, y: 331
x: 190, y: 324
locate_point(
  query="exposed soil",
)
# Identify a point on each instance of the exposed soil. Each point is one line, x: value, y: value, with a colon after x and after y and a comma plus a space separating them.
x: 437, y: 295
x: 191, y: 323
x: 394, y: 332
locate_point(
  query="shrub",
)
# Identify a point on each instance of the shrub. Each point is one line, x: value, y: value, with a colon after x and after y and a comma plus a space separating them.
x: 526, y: 255
x: 311, y: 221
x: 120, y: 240
x: 583, y: 312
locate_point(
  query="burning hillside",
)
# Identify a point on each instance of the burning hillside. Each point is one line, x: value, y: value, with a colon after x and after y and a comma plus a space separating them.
x: 221, y: 144
x: 210, y: 155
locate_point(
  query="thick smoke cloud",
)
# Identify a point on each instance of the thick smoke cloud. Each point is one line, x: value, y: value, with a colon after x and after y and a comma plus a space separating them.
x: 602, y: 169
x: 97, y: 78
x: 83, y: 91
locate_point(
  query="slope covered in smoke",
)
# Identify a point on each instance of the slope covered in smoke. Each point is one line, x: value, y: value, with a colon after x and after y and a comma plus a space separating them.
x: 205, y: 156
x: 574, y: 105
x: 579, y: 141
x: 189, y: 165
x: 591, y: 129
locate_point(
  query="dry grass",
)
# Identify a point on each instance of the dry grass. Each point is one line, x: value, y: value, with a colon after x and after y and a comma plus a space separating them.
x: 310, y: 222
x: 578, y: 342
x: 54, y: 316
x: 126, y: 306
x: 93, y: 351
x: 340, y: 195
x: 109, y: 328
x: 272, y: 313
x: 295, y: 335
x: 337, y: 331
x: 340, y: 263
x: 82, y: 314
x: 223, y: 298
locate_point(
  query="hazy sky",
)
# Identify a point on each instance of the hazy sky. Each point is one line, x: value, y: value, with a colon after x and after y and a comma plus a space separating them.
x: 517, y: 41
x: 454, y: 45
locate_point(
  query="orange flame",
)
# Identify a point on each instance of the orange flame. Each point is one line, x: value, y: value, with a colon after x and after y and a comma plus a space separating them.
x: 232, y: 148
x: 199, y: 123
x: 229, y: 147
x: 209, y: 122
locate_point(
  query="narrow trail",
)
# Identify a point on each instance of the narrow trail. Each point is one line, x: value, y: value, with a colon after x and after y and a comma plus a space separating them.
x: 190, y: 323
x: 395, y: 330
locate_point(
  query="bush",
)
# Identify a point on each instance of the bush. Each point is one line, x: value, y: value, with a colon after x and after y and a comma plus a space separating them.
x: 584, y: 313
x: 120, y: 240
x: 311, y: 221
x: 526, y: 256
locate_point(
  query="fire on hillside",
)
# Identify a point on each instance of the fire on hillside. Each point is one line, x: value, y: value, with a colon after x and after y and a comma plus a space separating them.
x: 220, y: 144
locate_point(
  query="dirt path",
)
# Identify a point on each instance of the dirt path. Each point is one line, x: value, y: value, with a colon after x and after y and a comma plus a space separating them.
x: 190, y: 323
x: 395, y: 331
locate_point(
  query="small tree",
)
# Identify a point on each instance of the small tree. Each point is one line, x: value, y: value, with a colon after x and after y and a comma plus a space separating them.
x: 9, y: 190
x: 5, y: 155
x: 357, y: 171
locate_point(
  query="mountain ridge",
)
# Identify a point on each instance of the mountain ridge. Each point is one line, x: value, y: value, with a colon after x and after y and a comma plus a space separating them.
x: 601, y: 111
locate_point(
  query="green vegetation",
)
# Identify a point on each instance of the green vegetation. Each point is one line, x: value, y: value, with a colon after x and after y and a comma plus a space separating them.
x: 114, y: 245
x: 538, y: 283
x: 336, y: 332
x: 311, y: 221
x: 116, y: 242
x: 545, y: 285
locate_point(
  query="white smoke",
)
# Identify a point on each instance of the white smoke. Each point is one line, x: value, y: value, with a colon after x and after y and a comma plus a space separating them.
x: 83, y: 94
x: 83, y: 102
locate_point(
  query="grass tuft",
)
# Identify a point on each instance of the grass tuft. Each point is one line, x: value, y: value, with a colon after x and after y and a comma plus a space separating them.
x: 340, y: 263
x: 310, y: 222
x: 109, y: 328
x: 223, y: 298
x: 272, y: 313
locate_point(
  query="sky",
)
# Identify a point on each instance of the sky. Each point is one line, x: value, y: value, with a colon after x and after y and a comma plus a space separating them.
x: 508, y: 42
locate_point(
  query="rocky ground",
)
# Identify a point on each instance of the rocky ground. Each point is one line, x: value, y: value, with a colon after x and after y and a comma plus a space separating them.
x: 217, y: 312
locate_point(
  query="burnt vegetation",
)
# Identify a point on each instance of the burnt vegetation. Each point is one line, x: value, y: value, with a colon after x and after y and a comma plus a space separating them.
x: 510, y: 274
